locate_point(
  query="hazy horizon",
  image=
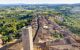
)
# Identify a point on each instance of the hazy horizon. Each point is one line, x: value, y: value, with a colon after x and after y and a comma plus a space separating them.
x: 39, y: 1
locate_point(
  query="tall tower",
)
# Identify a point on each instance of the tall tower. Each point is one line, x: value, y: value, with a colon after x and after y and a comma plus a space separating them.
x: 27, y: 39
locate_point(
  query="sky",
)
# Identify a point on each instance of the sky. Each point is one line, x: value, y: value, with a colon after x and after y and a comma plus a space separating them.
x: 39, y: 1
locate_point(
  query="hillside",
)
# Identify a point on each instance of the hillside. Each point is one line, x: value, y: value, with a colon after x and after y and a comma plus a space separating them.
x: 53, y: 25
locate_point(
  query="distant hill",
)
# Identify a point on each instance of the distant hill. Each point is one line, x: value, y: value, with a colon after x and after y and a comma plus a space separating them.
x: 78, y: 4
x: 64, y: 8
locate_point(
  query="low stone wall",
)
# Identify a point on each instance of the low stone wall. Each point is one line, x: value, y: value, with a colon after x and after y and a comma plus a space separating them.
x: 7, y: 46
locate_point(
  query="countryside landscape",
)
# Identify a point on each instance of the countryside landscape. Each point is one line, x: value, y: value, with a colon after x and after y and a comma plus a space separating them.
x: 54, y: 26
